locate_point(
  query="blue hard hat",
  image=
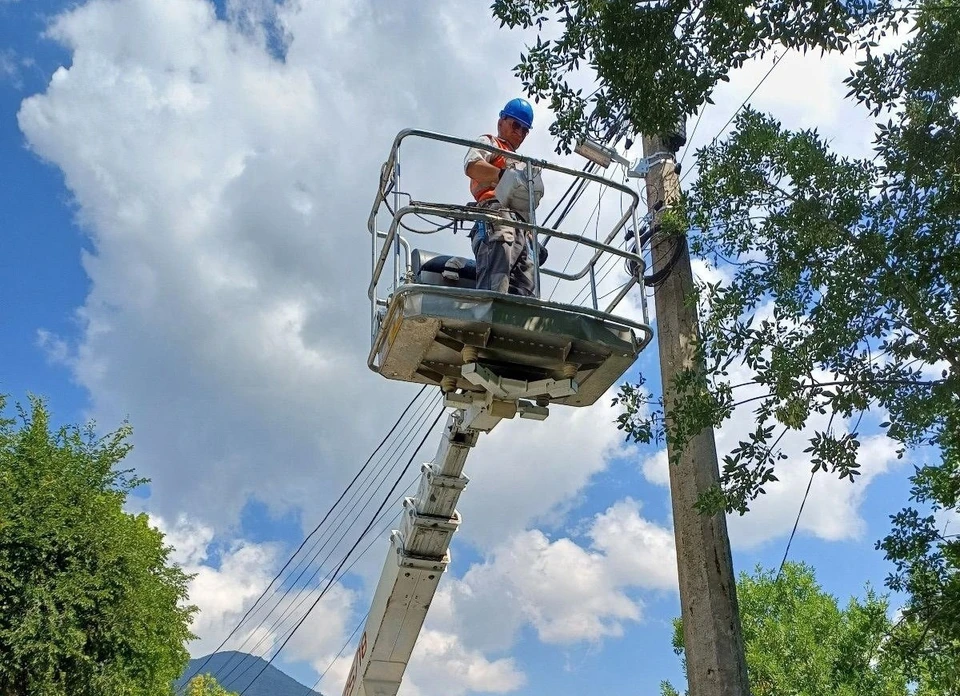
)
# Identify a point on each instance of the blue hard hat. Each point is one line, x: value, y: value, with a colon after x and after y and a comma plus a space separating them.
x: 519, y: 110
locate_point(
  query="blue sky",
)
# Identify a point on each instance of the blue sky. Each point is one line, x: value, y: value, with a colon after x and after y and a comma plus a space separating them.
x: 183, y: 207
x: 41, y: 278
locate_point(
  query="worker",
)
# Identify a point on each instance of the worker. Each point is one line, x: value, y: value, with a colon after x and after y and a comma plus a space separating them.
x: 503, y: 252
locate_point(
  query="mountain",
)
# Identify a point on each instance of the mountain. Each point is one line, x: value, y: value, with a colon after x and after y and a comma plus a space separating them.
x: 235, y: 670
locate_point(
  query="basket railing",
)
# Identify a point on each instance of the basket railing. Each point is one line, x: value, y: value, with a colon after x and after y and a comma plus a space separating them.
x: 390, y: 248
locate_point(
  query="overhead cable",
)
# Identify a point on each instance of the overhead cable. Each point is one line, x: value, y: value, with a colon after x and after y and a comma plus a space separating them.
x: 316, y: 529
x: 298, y: 600
x: 336, y: 573
x: 312, y: 689
x: 417, y: 423
x: 776, y: 62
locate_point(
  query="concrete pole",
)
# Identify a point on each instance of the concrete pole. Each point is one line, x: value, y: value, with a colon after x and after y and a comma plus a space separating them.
x: 713, y: 641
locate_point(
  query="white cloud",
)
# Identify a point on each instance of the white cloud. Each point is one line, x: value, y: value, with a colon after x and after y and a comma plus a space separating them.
x: 637, y: 551
x: 948, y: 521
x: 226, y: 193
x: 832, y: 510
x: 523, y: 470
x: 11, y: 66
x: 222, y: 592
x: 441, y: 664
x: 450, y: 668
x: 706, y: 272
x: 804, y: 90
x: 226, y: 587
x: 567, y: 592
x: 656, y: 468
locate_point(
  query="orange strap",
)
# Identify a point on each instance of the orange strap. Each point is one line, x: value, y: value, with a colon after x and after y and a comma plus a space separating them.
x: 478, y: 190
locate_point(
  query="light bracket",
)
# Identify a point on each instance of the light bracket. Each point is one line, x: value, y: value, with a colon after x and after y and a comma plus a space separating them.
x: 600, y: 154
x: 642, y: 166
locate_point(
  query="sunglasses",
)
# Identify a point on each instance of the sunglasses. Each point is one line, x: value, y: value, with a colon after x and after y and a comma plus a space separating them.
x: 516, y: 125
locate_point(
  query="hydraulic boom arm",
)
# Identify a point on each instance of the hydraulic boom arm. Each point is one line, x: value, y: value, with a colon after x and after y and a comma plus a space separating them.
x: 418, y: 556
x: 419, y: 550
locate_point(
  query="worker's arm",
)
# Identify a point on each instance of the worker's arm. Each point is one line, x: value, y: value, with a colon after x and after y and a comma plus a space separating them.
x: 483, y: 172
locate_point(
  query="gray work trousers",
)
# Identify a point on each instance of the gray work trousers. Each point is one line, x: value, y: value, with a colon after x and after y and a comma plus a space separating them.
x: 504, y: 260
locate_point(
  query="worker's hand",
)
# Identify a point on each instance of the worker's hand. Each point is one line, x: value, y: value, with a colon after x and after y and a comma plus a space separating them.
x: 484, y: 173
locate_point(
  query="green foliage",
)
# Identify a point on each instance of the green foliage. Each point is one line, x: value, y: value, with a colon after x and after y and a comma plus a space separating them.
x: 206, y: 685
x: 89, y: 604
x: 857, y: 263
x: 845, y: 272
x: 658, y: 61
x: 926, y: 560
x: 800, y: 641
x: 845, y: 297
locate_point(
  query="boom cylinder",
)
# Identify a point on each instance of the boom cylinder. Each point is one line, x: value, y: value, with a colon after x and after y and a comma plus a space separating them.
x: 419, y: 554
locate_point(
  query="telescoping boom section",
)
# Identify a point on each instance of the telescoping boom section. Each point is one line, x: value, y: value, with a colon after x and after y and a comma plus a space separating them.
x: 494, y: 356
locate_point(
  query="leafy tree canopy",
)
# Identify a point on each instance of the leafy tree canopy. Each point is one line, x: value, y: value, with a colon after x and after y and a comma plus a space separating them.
x: 843, y: 295
x: 844, y: 299
x: 89, y: 603
x: 800, y: 641
x: 206, y: 685
x: 657, y: 61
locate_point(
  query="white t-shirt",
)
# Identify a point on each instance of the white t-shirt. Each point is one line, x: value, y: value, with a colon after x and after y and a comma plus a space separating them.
x: 474, y: 154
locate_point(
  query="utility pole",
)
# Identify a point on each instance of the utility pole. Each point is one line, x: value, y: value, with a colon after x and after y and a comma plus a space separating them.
x: 712, y: 637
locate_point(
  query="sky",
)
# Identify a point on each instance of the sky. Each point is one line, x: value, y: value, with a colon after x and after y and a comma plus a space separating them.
x: 185, y: 189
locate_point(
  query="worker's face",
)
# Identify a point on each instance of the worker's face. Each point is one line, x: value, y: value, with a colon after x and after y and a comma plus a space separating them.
x: 512, y: 131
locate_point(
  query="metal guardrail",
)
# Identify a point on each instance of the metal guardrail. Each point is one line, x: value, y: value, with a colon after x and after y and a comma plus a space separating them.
x: 393, y: 242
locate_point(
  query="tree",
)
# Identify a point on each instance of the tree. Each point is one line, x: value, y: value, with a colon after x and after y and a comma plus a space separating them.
x: 89, y: 602
x: 800, y: 641
x: 926, y: 560
x: 657, y: 61
x: 843, y: 295
x: 206, y: 685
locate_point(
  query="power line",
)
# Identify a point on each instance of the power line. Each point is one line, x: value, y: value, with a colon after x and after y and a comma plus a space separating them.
x: 776, y: 62
x: 373, y: 540
x: 796, y: 523
x: 607, y: 260
x: 316, y: 529
x: 596, y: 211
x: 333, y: 579
x: 332, y: 573
x: 806, y: 493
x: 340, y: 516
x: 608, y: 264
x: 610, y: 292
x: 614, y: 132
x: 376, y: 537
x: 657, y: 278
x: 297, y: 601
x: 690, y: 139
x: 312, y: 689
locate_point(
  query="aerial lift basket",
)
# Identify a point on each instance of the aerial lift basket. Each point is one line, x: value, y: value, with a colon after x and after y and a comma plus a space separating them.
x: 429, y: 320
